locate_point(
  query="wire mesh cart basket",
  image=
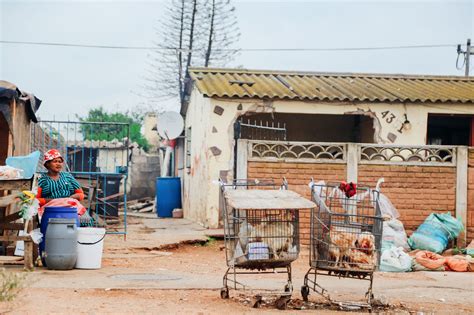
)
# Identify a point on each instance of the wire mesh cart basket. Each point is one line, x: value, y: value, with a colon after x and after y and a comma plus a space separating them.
x: 261, y: 232
x: 345, y: 238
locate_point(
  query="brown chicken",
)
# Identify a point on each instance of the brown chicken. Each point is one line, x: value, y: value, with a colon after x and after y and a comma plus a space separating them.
x: 341, y: 244
x: 363, y: 255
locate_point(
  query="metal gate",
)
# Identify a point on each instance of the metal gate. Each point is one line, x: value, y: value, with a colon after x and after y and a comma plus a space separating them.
x: 259, y: 130
x: 97, y: 155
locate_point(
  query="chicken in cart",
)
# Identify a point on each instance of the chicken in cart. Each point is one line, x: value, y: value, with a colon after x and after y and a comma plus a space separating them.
x: 345, y: 237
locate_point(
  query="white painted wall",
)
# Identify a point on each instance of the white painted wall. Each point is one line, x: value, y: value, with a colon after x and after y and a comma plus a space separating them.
x: 149, y: 122
x: 108, y: 159
x: 197, y: 179
x: 201, y: 194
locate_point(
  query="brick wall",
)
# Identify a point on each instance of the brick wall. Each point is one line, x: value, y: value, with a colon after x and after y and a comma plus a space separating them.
x: 415, y: 191
x: 298, y: 176
x: 470, y: 196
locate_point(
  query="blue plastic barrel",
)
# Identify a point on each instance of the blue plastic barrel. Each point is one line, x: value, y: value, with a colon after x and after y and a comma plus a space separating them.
x: 168, y: 196
x: 55, y: 212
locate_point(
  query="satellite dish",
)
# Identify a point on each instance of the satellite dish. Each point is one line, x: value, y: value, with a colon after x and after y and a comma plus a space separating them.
x: 170, y: 125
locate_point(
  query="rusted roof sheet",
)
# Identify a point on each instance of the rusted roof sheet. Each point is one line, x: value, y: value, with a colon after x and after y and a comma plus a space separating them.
x: 241, y: 83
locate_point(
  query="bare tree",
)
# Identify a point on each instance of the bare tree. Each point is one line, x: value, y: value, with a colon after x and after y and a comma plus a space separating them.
x: 222, y: 32
x: 193, y: 33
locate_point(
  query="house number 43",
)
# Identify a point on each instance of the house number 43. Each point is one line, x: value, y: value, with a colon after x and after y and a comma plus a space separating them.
x: 389, y: 118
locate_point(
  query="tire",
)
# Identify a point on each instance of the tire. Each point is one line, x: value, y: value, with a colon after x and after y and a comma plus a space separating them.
x: 224, y: 293
x: 305, y: 292
x: 282, y: 302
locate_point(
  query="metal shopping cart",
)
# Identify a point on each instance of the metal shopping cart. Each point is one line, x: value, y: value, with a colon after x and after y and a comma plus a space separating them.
x: 261, y: 232
x: 345, y: 238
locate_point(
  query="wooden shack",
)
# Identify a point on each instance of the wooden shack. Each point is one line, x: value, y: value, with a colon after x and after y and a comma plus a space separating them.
x: 17, y: 114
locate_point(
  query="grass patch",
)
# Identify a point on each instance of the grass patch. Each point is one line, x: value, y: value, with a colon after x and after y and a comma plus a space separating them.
x: 211, y: 241
x: 11, y: 283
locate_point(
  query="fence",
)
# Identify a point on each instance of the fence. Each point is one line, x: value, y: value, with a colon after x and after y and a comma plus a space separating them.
x: 97, y: 155
x: 418, y: 179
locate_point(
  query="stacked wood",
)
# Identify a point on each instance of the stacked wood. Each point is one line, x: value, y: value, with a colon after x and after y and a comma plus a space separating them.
x: 9, y: 222
x: 141, y: 205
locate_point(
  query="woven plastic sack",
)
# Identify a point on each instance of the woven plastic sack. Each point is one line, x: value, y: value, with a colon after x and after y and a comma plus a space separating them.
x: 452, y: 225
x: 387, y: 209
x: 395, y: 260
x: 394, y: 235
x: 458, y: 263
x: 428, y: 261
x: 435, y: 232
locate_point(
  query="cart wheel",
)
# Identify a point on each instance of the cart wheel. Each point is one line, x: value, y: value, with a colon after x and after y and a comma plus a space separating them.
x: 224, y: 293
x: 371, y: 298
x: 289, y: 287
x: 282, y: 302
x: 305, y: 292
x: 257, y: 301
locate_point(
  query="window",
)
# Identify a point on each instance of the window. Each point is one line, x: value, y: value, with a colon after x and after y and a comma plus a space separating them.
x: 188, y: 147
x: 308, y: 127
x: 449, y: 130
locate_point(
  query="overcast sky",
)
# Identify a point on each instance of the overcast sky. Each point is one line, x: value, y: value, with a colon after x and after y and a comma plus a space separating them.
x: 72, y: 80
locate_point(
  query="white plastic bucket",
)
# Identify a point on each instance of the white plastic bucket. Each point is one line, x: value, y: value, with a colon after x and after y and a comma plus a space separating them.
x: 90, y: 243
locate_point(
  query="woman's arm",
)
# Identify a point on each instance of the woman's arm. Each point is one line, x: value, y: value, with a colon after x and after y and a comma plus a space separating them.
x: 78, y: 192
x: 78, y: 195
x: 42, y: 201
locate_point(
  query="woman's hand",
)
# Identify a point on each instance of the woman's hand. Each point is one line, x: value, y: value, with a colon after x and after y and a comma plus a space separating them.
x: 75, y: 196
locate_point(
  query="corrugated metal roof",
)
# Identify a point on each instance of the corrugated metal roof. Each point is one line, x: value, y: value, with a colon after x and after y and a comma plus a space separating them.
x: 242, y: 83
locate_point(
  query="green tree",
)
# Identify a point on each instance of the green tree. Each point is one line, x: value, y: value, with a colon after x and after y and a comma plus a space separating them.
x: 113, y: 131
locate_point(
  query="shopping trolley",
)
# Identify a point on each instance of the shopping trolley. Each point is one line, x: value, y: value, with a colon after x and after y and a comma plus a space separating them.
x: 261, y: 232
x: 345, y: 237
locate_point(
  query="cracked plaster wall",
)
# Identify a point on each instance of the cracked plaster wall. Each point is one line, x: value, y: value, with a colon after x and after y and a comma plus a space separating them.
x: 214, y: 128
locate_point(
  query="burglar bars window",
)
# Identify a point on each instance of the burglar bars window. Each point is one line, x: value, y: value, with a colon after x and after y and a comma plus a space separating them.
x: 188, y: 147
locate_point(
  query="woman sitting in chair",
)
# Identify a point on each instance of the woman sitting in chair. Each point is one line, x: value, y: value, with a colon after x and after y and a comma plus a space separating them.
x: 58, y: 185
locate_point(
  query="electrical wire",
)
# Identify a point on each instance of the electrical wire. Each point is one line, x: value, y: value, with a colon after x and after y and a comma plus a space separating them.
x: 463, y: 63
x: 243, y: 49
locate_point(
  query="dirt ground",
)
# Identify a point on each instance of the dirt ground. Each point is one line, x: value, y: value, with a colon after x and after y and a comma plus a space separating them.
x: 142, y: 277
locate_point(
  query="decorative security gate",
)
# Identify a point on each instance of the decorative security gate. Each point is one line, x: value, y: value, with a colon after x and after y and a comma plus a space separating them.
x: 259, y: 130
x: 97, y: 155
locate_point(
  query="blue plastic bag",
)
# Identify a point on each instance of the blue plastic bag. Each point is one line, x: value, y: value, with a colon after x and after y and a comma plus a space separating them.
x: 26, y: 163
x: 435, y: 232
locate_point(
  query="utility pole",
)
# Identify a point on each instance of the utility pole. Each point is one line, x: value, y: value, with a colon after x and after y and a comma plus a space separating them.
x: 467, y: 55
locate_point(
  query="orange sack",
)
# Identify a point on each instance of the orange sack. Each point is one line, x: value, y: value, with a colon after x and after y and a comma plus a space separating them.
x: 430, y: 260
x: 457, y: 263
